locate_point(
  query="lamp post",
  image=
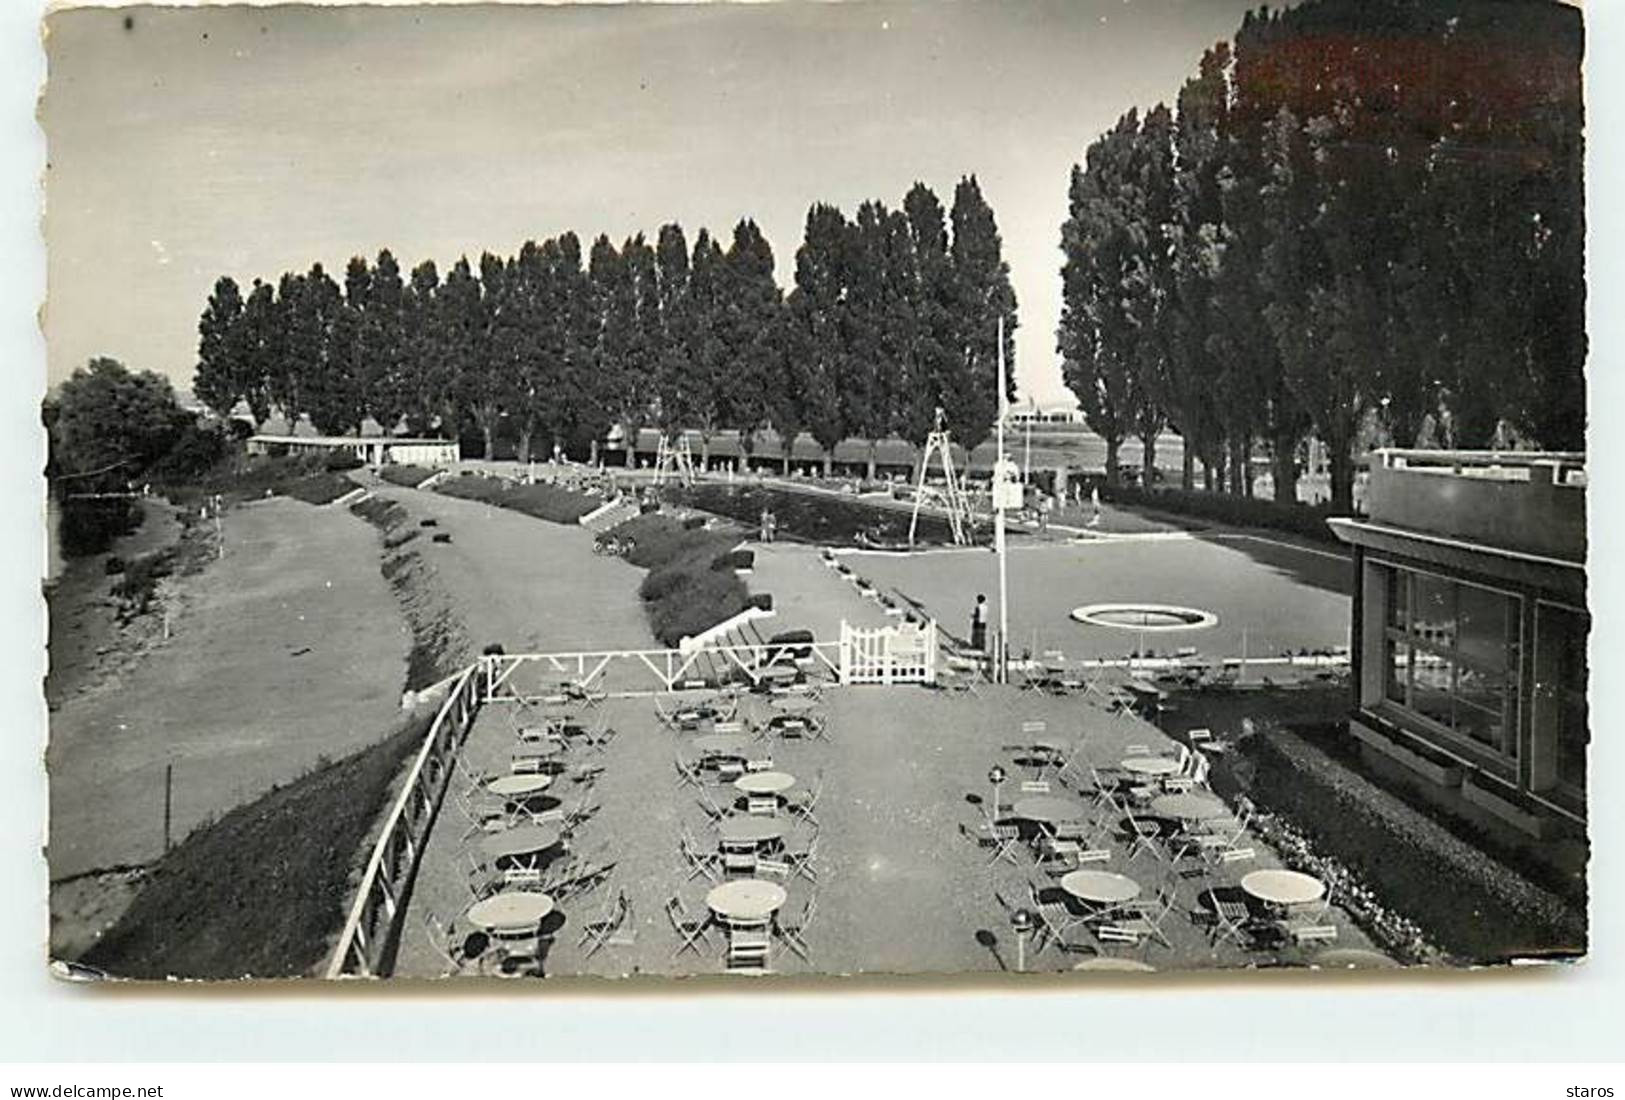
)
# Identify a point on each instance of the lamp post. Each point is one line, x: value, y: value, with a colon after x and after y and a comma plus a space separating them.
x: 1022, y: 922
x: 995, y: 776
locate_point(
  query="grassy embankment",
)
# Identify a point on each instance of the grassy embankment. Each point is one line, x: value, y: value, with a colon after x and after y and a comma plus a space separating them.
x: 262, y: 891
x: 408, y: 477
x: 683, y: 593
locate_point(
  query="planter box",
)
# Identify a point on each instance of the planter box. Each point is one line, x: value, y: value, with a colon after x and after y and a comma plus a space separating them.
x: 1525, y: 821
x: 1436, y: 772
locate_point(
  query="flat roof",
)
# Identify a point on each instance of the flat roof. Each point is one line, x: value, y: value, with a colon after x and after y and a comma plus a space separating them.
x: 351, y: 440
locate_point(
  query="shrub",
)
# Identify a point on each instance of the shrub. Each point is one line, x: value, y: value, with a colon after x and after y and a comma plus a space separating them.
x: 813, y: 517
x: 323, y: 488
x: 735, y: 559
x: 549, y: 502
x: 407, y: 476
x: 89, y: 526
x: 762, y: 601
x: 695, y: 600
x: 338, y: 461
x: 693, y: 523
x: 113, y: 565
x: 1305, y: 520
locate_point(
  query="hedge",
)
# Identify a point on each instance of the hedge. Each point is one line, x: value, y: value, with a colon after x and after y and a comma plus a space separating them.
x: 813, y: 517
x: 682, y: 594
x: 1305, y: 520
x: 405, y: 475
x: 549, y: 502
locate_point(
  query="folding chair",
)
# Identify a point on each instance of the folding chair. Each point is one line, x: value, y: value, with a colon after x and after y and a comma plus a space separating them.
x: 801, y: 862
x: 1145, y: 835
x: 1216, y: 840
x: 483, y: 813
x: 1310, y: 924
x: 712, y: 811
x: 802, y: 802
x: 1230, y: 918
x: 760, y: 764
x: 1000, y: 839
x: 773, y: 868
x: 700, y: 862
x: 687, y: 774
x: 1142, y: 919
x: 441, y: 938
x: 691, y: 931
x: 748, y: 949
x: 794, y: 932
x: 1054, y: 919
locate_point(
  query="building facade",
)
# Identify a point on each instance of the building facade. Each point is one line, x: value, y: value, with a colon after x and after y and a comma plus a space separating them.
x: 1469, y: 633
x: 374, y: 450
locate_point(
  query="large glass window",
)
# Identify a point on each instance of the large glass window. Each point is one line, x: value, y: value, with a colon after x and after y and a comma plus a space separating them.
x: 1453, y: 657
x: 1562, y: 723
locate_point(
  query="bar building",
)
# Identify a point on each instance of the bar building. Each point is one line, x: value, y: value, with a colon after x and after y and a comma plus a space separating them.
x: 1469, y: 636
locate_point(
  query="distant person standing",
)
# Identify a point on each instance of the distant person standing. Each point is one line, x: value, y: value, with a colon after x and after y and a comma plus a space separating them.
x: 1044, y: 506
x: 772, y: 526
x: 1094, y: 501
x: 978, y: 624
x: 767, y: 534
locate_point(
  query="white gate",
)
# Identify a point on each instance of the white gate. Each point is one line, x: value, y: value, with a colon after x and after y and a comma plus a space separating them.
x: 902, y: 654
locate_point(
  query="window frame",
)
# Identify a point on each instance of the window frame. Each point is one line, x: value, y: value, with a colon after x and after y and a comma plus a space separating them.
x: 1502, y: 763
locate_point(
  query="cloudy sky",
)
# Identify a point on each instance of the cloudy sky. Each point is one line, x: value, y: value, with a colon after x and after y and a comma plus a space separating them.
x: 186, y: 144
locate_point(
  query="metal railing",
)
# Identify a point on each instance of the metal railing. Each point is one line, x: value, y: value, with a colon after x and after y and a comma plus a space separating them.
x: 631, y: 672
x: 374, y: 921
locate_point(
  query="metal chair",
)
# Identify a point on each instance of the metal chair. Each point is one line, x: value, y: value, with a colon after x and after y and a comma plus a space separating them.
x: 691, y: 931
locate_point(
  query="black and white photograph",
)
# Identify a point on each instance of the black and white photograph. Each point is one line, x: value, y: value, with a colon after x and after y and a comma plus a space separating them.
x: 1075, y: 488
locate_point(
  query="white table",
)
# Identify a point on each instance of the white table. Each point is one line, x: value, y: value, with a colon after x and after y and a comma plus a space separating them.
x: 764, y: 783
x: 1100, y: 887
x: 1283, y: 888
x: 746, y: 900
x: 514, y: 910
x: 1150, y: 765
x: 519, y: 786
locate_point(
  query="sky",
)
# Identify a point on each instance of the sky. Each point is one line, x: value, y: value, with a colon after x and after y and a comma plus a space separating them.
x: 193, y: 143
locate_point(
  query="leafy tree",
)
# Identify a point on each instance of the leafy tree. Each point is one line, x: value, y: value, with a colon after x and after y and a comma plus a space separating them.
x: 705, y: 384
x: 219, y: 379
x: 981, y: 280
x: 427, y: 365
x: 110, y: 425
x: 749, y: 324
x: 383, y: 382
x: 259, y: 325
x: 1096, y: 332
x: 934, y: 356
x: 816, y: 317
x: 331, y: 390
x: 675, y: 340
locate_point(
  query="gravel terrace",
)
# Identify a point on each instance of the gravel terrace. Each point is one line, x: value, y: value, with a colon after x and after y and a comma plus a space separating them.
x: 899, y: 889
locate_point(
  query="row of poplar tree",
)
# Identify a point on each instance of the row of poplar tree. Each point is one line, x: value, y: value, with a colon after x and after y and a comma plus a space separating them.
x: 1362, y: 221
x: 893, y: 314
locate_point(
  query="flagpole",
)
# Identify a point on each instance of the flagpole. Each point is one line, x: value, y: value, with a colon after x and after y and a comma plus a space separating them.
x: 1002, y: 671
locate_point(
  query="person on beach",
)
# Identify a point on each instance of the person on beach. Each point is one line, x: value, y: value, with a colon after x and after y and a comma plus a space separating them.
x: 978, y: 624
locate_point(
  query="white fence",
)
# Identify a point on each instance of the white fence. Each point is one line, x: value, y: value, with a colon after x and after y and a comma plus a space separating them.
x: 902, y: 654
x: 645, y: 671
x: 372, y: 928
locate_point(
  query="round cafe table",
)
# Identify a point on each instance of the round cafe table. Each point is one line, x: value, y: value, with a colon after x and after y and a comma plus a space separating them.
x: 1144, y: 690
x: 746, y: 900
x: 719, y: 744
x: 764, y: 783
x: 1188, y: 807
x: 1048, y: 809
x: 794, y: 704
x: 521, y: 840
x: 749, y: 829
x: 514, y: 909
x: 519, y: 786
x: 1283, y: 888
x: 1150, y: 765
x: 1109, y: 962
x: 1100, y: 887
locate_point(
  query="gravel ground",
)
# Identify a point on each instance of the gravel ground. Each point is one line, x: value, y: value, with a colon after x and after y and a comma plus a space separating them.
x: 899, y: 889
